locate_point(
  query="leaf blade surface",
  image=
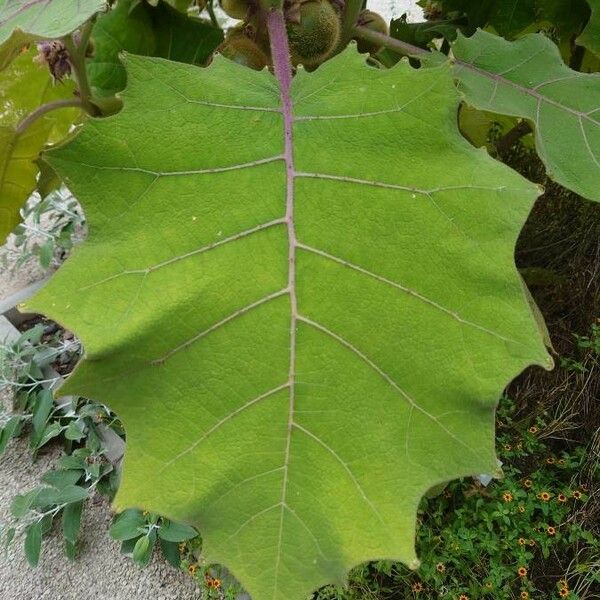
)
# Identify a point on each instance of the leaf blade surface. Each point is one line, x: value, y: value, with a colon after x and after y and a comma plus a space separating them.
x: 529, y: 79
x: 394, y: 271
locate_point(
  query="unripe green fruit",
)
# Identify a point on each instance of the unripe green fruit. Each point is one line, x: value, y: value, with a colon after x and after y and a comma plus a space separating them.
x: 316, y: 36
x: 237, y: 9
x: 243, y: 51
x: 374, y: 22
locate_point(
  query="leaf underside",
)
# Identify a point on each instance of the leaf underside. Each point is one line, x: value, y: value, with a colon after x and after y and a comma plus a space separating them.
x: 23, y: 21
x: 298, y: 440
x: 529, y: 79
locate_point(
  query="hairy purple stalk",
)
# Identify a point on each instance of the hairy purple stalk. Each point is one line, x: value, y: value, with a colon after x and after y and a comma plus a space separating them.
x: 283, y: 72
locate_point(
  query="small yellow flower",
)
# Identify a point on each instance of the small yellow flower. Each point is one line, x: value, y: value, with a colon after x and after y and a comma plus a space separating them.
x: 550, y: 530
x: 563, y: 583
x: 524, y: 595
x: 521, y: 508
x: 507, y: 497
x: 417, y: 587
x: 507, y: 447
x: 576, y: 494
x: 563, y: 592
x: 561, y: 461
x: 550, y: 460
x: 533, y: 429
x: 488, y: 584
x: 192, y: 569
x: 182, y: 547
x: 440, y: 567
x: 463, y: 597
x: 216, y: 583
x: 522, y: 572
x: 531, y: 542
x: 527, y: 483
x: 561, y: 498
x: 544, y: 496
x: 522, y: 541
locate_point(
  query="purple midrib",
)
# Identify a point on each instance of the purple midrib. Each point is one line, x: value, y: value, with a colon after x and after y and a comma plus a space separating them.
x: 283, y: 72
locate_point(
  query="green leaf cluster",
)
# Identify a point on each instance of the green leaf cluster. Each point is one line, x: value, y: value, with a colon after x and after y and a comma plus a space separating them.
x: 510, y: 18
x: 83, y: 469
x: 140, y: 531
x: 139, y: 28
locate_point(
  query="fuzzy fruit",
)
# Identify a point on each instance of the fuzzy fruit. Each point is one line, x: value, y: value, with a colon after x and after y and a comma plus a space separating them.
x: 316, y: 35
x: 237, y: 9
x: 244, y: 51
x: 374, y: 22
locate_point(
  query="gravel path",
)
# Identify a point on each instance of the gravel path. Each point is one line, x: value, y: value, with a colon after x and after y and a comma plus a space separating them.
x: 100, y: 571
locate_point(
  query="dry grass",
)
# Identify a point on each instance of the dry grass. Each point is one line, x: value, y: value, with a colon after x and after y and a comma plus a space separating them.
x: 559, y: 256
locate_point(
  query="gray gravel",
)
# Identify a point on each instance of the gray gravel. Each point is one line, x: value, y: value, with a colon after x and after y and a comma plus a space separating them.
x: 100, y: 571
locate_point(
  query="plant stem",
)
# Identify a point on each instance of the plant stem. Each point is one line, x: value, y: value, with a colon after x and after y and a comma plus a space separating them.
x: 280, y: 50
x: 77, y: 60
x: 84, y: 36
x: 380, y: 39
x: 352, y: 9
x: 507, y: 141
x: 46, y: 108
x: 211, y: 14
x: 577, y: 55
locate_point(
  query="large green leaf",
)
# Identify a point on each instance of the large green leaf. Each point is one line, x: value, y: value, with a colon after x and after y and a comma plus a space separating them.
x: 22, y: 21
x: 182, y: 38
x: 302, y: 328
x: 121, y: 29
x: 566, y: 18
x: 25, y: 86
x: 139, y: 28
x: 529, y: 79
x: 510, y: 17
